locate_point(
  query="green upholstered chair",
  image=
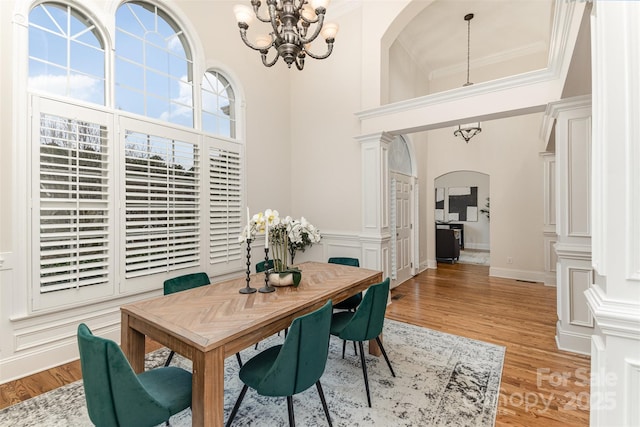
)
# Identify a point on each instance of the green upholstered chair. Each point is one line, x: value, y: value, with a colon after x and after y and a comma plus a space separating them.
x: 183, y: 283
x: 364, y: 325
x: 264, y: 265
x: 352, y: 302
x: 294, y: 366
x: 117, y: 396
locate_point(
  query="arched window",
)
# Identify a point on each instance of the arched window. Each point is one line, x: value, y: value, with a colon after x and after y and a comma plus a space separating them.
x: 66, y: 54
x: 399, y: 157
x: 153, y: 65
x: 218, y: 105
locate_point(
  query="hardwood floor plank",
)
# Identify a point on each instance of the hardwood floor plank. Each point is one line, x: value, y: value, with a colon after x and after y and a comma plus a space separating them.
x: 541, y: 385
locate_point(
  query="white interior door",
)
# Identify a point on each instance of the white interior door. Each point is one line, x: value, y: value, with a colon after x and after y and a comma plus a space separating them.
x: 403, y: 227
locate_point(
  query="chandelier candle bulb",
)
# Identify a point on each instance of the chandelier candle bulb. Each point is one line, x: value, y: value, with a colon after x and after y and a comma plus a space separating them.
x: 329, y: 31
x: 243, y: 14
x: 308, y: 13
x: 248, y: 224
x: 264, y: 41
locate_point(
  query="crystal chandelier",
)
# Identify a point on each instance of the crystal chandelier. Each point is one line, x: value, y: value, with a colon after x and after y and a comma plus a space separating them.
x: 470, y: 130
x: 290, y: 21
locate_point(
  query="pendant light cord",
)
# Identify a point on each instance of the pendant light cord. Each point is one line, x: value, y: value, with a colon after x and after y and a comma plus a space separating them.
x: 468, y: 18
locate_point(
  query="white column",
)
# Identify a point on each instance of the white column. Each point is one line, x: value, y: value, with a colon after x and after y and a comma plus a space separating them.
x: 376, y: 238
x: 614, y: 298
x: 549, y: 227
x: 573, y: 222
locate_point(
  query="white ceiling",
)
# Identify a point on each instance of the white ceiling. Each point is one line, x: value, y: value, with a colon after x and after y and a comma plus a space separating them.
x: 501, y: 30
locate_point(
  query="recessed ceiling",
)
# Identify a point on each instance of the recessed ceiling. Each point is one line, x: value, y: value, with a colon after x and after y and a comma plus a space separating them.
x: 501, y: 30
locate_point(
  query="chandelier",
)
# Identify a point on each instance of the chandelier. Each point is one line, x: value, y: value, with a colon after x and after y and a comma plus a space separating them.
x: 470, y: 130
x: 291, y: 21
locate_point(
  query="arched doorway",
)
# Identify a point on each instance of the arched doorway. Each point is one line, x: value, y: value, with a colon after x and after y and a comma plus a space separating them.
x: 462, y: 203
x: 402, y: 211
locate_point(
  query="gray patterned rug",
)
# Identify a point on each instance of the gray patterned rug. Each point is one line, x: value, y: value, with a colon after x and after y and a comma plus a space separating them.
x: 442, y: 380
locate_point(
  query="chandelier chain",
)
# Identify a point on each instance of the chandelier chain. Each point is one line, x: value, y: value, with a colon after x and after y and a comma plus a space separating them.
x: 468, y: 48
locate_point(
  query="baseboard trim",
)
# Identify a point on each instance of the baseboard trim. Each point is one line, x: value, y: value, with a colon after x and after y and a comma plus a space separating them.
x: 573, y: 342
x: 477, y: 246
x: 526, y: 275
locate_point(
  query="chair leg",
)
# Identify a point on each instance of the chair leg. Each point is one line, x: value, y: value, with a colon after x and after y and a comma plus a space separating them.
x: 324, y: 402
x: 364, y: 372
x: 344, y: 346
x: 169, y: 358
x: 292, y: 421
x: 256, y: 347
x: 384, y: 353
x: 355, y: 350
x: 239, y: 359
x: 234, y: 411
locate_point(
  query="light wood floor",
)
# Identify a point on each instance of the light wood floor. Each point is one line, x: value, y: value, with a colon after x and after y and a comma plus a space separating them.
x: 541, y: 386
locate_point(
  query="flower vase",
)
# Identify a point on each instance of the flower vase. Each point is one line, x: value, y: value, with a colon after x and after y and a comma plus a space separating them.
x: 282, y: 274
x: 290, y: 277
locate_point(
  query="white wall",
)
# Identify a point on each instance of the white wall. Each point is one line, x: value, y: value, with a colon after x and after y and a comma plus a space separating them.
x: 325, y: 158
x: 476, y: 233
x: 406, y: 79
x: 507, y: 151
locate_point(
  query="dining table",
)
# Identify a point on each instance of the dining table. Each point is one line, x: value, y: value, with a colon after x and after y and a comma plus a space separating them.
x: 210, y: 323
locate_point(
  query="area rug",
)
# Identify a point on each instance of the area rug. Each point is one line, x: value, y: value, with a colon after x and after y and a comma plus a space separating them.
x: 475, y: 257
x: 441, y: 380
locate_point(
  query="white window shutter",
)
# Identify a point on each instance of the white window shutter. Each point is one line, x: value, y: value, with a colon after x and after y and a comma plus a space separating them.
x: 225, y: 205
x: 73, y: 203
x: 162, y: 192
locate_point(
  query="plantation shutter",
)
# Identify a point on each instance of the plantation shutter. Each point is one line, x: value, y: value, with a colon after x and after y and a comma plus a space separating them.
x: 225, y: 200
x: 73, y: 203
x: 162, y: 208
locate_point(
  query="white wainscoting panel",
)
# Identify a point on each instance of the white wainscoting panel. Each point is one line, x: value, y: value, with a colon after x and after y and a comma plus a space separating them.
x: 579, y: 175
x: 579, y: 281
x: 632, y: 390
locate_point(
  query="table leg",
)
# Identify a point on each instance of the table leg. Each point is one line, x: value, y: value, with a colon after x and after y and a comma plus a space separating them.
x: 207, y: 400
x: 132, y: 343
x: 374, y: 349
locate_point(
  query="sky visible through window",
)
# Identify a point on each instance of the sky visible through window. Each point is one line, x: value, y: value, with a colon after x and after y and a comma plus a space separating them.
x: 153, y: 65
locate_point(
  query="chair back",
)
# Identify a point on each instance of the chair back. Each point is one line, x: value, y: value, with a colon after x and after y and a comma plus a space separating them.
x: 345, y: 261
x: 447, y: 246
x: 113, y: 392
x: 187, y: 281
x: 367, y: 322
x: 303, y: 356
x: 96, y: 379
x: 263, y: 265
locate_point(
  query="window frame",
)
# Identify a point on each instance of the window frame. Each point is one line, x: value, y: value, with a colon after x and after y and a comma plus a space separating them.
x: 29, y: 299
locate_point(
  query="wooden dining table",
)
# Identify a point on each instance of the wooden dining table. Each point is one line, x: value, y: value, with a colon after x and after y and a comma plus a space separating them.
x: 209, y: 323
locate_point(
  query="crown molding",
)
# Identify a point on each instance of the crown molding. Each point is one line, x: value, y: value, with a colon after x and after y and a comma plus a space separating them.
x: 496, y: 58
